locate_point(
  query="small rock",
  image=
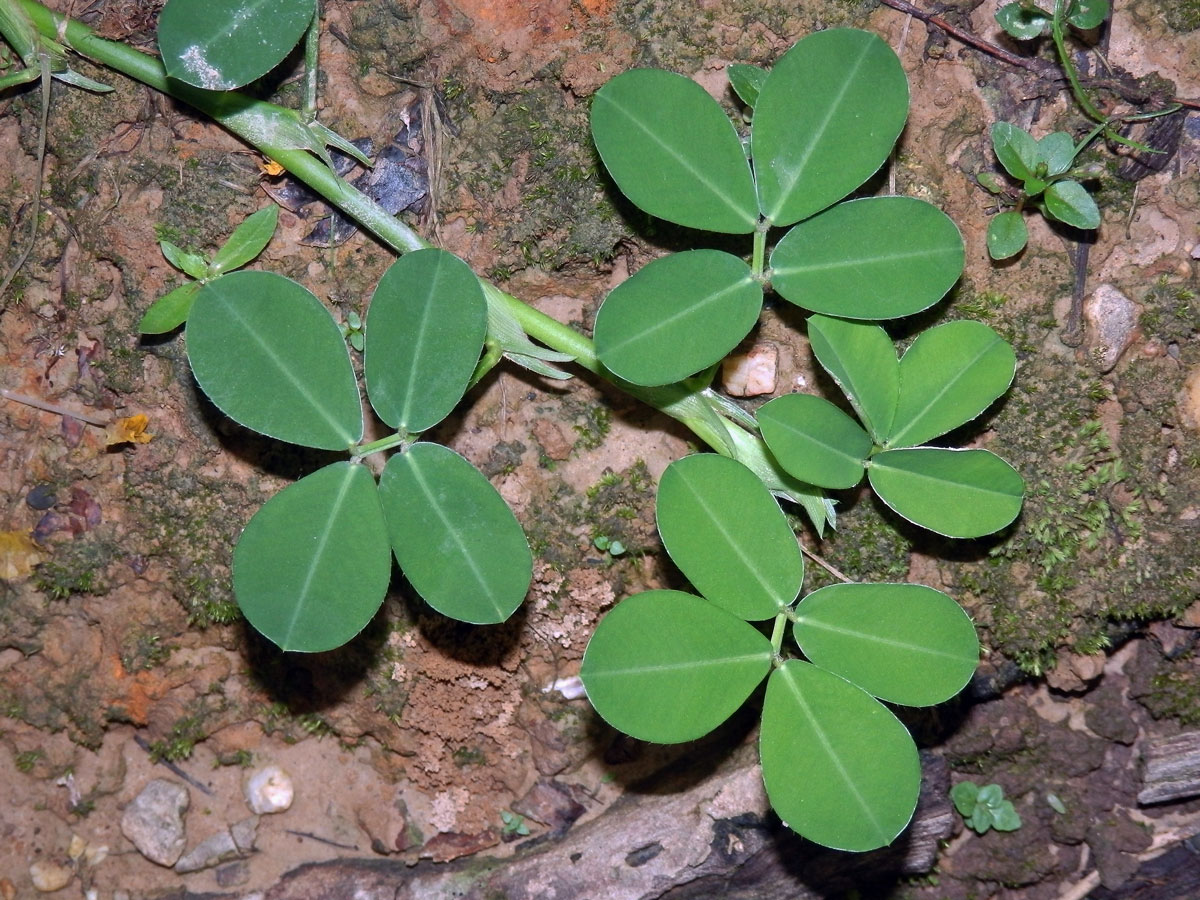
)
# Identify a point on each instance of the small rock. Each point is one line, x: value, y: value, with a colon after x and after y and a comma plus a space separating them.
x: 1075, y: 671
x: 750, y: 374
x: 1112, y: 319
x: 154, y: 821
x: 552, y: 803
x: 449, y: 846
x: 269, y: 790
x: 41, y: 496
x: 48, y: 875
x: 232, y: 874
x: 238, y: 840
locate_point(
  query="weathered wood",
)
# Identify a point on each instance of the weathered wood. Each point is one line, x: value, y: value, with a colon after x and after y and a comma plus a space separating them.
x: 1173, y: 876
x: 1170, y: 768
x: 713, y: 837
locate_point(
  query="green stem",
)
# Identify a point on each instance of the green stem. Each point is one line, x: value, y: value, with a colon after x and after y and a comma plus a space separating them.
x: 311, y: 62
x: 777, y: 632
x: 758, y: 261
x: 359, y: 451
x: 1058, y: 33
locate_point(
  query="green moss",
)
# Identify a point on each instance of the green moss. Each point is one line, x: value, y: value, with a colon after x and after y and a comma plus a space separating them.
x: 592, y: 425
x: 74, y: 568
x: 26, y: 760
x: 142, y: 650
x: 1175, y: 692
x: 182, y: 739
x: 1181, y: 15
x: 468, y: 756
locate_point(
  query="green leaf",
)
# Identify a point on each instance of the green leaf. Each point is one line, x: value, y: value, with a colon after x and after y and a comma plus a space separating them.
x: 746, y: 81
x: 219, y: 45
x: 1056, y: 151
x: 965, y: 795
x: 957, y: 493
x: 668, y: 667
x: 677, y: 315
x: 271, y: 357
x: 169, y: 311
x: 861, y: 359
x: 990, y: 795
x: 455, y: 538
x: 312, y: 566
x: 247, y: 241
x: 424, y: 332
x: 875, y: 258
x: 1016, y: 149
x: 903, y: 643
x: 981, y: 819
x: 1006, y: 235
x: 1005, y: 818
x: 839, y: 768
x: 1069, y: 201
x: 990, y: 183
x: 1022, y: 23
x: 191, y: 264
x: 826, y: 119
x: 1085, y: 15
x: 948, y: 376
x: 672, y: 151
x: 814, y: 440
x: 727, y: 534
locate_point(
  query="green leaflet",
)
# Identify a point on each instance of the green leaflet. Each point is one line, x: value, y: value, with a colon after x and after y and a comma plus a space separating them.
x: 814, y: 440
x: 247, y: 241
x: 949, y: 375
x: 455, y: 538
x: 1016, y: 149
x: 728, y: 536
x: 673, y: 152
x: 1006, y: 235
x: 424, y: 333
x: 904, y: 643
x: 169, y: 311
x: 958, y: 493
x: 862, y: 360
x: 875, y: 258
x: 1069, y: 201
x: 746, y: 81
x: 839, y: 768
x: 270, y: 356
x: 312, y: 566
x: 811, y: 142
x: 219, y: 45
x: 667, y: 666
x: 677, y: 315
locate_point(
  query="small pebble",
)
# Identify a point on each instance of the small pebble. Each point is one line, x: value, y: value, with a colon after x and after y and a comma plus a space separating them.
x: 41, y: 497
x: 153, y: 821
x: 750, y: 374
x: 269, y: 790
x: 48, y: 875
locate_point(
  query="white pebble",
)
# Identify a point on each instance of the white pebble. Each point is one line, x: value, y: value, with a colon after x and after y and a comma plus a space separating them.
x: 269, y: 790
x: 571, y: 688
x: 48, y: 875
x: 752, y: 373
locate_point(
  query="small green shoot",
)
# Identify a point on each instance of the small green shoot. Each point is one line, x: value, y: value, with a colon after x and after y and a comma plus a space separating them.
x: 512, y: 825
x: 248, y: 240
x: 984, y: 808
x: 608, y: 545
x: 352, y: 331
x: 1047, y: 182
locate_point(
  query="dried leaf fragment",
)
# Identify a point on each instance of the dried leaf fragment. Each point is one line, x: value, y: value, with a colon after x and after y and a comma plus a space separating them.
x: 130, y: 430
x: 18, y: 555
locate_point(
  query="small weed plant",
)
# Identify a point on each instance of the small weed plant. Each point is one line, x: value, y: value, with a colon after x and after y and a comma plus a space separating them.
x: 1045, y: 170
x: 985, y: 808
x: 313, y: 565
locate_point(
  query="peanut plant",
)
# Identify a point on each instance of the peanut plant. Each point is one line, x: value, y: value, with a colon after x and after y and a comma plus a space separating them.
x: 312, y: 566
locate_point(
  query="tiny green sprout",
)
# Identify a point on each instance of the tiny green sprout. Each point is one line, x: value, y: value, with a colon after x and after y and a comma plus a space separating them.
x: 605, y: 544
x: 512, y: 825
x: 983, y: 808
x: 1056, y: 804
x: 247, y: 241
x: 1043, y: 169
x: 352, y: 331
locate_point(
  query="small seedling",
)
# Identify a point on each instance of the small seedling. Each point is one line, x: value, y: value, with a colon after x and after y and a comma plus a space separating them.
x: 1044, y: 168
x: 1047, y: 182
x: 247, y: 241
x: 983, y: 808
x: 512, y: 825
x: 352, y: 331
x: 605, y: 544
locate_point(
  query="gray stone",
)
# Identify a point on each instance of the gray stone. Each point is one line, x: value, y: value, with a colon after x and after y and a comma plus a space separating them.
x: 1112, y: 321
x: 233, y: 874
x: 235, y: 841
x: 154, y: 821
